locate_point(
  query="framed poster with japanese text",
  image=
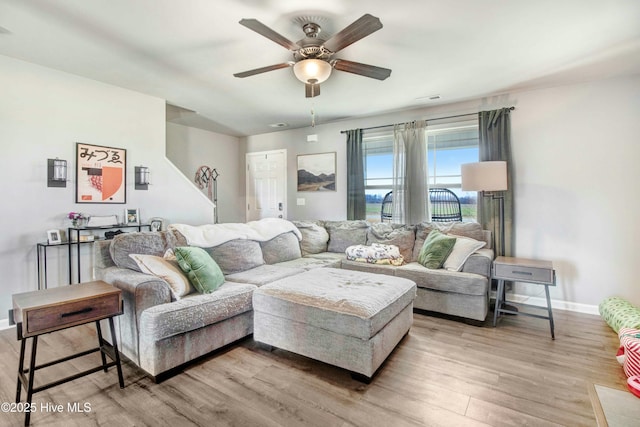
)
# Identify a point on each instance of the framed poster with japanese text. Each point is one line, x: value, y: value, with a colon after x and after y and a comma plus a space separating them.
x: 100, y: 174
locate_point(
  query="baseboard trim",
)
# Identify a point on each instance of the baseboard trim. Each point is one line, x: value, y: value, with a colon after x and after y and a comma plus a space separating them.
x: 517, y: 298
x: 555, y: 304
x: 4, y: 324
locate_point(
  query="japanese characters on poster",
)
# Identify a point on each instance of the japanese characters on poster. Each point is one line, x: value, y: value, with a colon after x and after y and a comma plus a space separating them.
x: 100, y: 174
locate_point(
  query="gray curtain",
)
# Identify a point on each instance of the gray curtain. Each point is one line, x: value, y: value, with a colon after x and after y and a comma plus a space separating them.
x: 410, y: 187
x: 356, y: 202
x: 495, y: 144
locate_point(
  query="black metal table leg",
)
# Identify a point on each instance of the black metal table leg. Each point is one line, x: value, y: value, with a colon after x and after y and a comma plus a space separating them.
x: 116, y: 352
x: 32, y: 368
x: 499, y: 301
x: 23, y: 344
x: 100, y: 344
x: 551, y: 325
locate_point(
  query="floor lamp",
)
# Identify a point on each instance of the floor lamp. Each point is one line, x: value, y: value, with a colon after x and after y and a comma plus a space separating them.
x: 488, y: 178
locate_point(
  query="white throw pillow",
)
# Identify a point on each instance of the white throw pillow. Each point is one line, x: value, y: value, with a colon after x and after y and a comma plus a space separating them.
x: 167, y: 269
x: 462, y: 250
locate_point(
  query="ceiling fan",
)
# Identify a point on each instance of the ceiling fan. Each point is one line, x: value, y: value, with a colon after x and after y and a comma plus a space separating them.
x: 312, y: 63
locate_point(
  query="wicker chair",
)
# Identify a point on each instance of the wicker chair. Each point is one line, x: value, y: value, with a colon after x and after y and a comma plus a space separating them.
x: 386, y: 211
x: 445, y: 205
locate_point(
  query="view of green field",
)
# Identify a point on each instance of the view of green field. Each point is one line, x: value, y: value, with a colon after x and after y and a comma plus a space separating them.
x: 468, y: 212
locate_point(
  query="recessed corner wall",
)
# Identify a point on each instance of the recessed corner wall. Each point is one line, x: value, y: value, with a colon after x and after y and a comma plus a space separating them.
x: 43, y: 113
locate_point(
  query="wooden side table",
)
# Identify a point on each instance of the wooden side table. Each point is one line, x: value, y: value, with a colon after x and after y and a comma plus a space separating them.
x: 40, y: 312
x: 523, y: 270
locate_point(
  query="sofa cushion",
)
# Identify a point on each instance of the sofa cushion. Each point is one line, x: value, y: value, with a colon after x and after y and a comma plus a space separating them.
x: 202, y: 271
x: 284, y: 247
x: 402, y: 236
x: 462, y: 250
x: 154, y: 243
x: 436, y: 249
x: 237, y: 255
x: 331, y: 259
x: 343, y: 234
x: 443, y: 280
x: 314, y: 237
x: 195, y: 311
x: 472, y: 230
x: 263, y: 274
x: 166, y: 269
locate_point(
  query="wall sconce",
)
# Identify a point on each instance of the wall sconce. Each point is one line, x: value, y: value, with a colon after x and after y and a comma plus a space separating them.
x: 56, y: 173
x: 141, y: 178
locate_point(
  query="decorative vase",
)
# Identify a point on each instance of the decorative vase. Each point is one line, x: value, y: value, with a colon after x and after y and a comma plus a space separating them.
x: 76, y: 223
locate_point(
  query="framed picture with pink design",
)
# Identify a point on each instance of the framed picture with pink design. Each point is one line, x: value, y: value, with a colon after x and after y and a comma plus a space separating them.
x: 101, y: 174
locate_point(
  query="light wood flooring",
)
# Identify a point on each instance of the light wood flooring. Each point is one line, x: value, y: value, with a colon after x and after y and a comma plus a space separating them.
x: 443, y: 373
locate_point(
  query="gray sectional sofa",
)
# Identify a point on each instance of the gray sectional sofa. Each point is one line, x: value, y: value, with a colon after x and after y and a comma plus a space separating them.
x: 161, y: 330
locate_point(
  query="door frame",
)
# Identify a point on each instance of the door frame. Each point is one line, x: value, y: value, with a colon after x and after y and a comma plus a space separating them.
x: 246, y: 179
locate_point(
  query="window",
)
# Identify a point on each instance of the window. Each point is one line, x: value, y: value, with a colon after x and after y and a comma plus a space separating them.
x: 448, y: 146
x: 378, y: 169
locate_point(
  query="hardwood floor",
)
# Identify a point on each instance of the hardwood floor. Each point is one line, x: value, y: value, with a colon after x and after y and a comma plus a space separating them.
x: 444, y: 373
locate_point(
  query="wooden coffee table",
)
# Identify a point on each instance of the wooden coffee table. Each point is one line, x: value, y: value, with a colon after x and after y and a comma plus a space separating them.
x: 40, y: 312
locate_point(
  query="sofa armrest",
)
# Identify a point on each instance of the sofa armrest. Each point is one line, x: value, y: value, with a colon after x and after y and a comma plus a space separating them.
x: 479, y: 262
x: 146, y: 290
x: 139, y: 292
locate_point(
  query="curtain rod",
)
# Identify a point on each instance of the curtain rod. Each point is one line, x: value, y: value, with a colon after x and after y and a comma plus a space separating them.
x: 428, y: 120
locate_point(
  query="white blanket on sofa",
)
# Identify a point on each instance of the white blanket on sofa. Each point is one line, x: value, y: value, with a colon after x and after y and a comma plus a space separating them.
x: 209, y: 235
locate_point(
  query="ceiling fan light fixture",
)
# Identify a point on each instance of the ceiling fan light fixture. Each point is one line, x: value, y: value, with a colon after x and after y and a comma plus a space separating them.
x: 307, y: 70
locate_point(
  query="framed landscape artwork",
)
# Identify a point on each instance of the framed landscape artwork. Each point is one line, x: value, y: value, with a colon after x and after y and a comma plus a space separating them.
x: 317, y: 172
x: 100, y: 174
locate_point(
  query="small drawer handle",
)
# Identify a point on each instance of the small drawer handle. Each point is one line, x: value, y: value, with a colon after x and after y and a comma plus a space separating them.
x: 524, y: 273
x: 74, y: 313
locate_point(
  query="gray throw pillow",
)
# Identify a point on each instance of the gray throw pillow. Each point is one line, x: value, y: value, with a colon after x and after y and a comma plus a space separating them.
x: 153, y: 243
x: 343, y: 234
x: 284, y: 247
x: 237, y: 255
x: 314, y: 237
x: 400, y: 235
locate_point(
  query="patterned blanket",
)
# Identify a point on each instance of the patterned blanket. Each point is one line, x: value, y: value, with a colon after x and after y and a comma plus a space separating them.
x: 377, y: 253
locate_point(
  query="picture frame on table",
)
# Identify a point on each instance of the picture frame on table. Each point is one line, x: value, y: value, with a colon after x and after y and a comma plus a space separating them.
x: 101, y: 174
x: 156, y: 224
x: 132, y: 216
x: 54, y: 237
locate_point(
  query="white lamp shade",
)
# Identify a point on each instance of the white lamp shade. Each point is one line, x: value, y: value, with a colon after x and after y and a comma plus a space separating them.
x: 312, y: 70
x: 484, y: 176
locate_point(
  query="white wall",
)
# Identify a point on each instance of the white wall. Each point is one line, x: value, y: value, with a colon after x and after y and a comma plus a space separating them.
x: 575, y: 153
x: 577, y: 200
x: 43, y: 113
x: 189, y: 148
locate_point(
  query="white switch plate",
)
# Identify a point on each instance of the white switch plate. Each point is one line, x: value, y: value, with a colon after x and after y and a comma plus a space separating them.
x: 300, y: 201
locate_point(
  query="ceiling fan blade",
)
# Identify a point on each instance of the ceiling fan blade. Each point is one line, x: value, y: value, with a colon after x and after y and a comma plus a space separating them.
x: 260, y: 28
x: 263, y: 69
x: 359, y: 29
x: 366, y: 70
x: 311, y: 90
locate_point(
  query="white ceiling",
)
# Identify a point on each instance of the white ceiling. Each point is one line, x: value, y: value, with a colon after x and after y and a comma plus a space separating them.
x: 187, y: 51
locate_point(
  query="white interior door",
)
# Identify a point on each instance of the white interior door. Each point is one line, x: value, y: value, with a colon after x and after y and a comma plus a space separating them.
x: 266, y: 185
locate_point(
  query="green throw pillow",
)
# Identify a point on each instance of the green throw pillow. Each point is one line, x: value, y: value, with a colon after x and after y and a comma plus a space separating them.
x: 436, y: 249
x: 202, y: 271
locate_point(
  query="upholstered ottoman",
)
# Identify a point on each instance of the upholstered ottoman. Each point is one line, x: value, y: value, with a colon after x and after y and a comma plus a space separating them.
x: 349, y: 319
